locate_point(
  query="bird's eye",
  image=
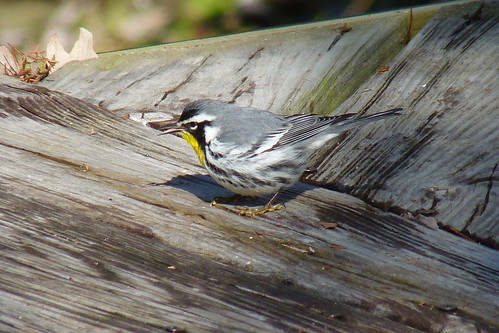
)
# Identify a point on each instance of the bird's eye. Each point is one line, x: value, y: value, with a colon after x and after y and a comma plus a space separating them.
x: 192, y: 126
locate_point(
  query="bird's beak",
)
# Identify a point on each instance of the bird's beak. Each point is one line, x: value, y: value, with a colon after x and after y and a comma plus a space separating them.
x: 175, y: 129
x: 166, y: 127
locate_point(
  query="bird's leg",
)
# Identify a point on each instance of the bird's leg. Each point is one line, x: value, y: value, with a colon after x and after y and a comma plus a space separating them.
x: 272, y: 200
x: 269, y: 207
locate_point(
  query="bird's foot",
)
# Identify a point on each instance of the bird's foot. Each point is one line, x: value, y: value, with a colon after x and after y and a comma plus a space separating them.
x: 260, y: 211
x: 269, y: 207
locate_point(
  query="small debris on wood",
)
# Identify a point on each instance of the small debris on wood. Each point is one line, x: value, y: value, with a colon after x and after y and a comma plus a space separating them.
x: 29, y: 67
x: 383, y: 69
x: 308, y: 172
x: 175, y: 329
x: 341, y: 30
x: 446, y: 307
x: 427, y: 212
x: 344, y: 28
x: 150, y: 118
x: 455, y: 231
x: 35, y: 65
x: 248, y: 267
x: 336, y: 316
x: 338, y: 246
x: 429, y: 221
x: 329, y: 225
x: 296, y: 248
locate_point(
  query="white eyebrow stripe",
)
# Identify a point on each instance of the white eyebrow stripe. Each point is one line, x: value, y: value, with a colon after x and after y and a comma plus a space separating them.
x: 198, y: 119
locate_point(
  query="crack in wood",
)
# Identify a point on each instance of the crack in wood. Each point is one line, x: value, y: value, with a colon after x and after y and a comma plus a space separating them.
x: 379, y: 92
x: 473, y: 23
x: 240, y: 84
x: 186, y: 80
x: 335, y: 40
x: 250, y: 89
x: 482, y: 206
x: 139, y: 80
x: 469, y: 19
x: 340, y: 32
x: 21, y: 105
x: 58, y: 108
x: 434, y: 79
x: 388, y: 169
x: 250, y: 58
x: 49, y: 157
x: 409, y: 27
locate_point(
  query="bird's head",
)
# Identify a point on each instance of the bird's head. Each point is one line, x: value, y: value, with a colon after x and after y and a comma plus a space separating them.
x: 196, y: 125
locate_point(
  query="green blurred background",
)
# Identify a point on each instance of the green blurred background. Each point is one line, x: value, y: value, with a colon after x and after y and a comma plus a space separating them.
x: 122, y: 24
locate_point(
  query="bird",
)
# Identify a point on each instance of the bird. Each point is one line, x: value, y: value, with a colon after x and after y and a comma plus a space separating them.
x: 254, y: 152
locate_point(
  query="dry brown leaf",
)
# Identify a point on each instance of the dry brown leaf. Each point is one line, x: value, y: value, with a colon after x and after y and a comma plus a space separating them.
x: 82, y: 50
x: 56, y: 52
x: 8, y: 61
x: 28, y: 67
x: 34, y: 65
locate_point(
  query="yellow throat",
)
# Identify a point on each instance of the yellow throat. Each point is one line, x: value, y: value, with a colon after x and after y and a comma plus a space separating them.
x: 195, y: 144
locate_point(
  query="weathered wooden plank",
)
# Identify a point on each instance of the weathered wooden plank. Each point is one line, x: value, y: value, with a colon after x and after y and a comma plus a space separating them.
x: 88, y: 243
x: 236, y: 68
x: 342, y: 53
x: 105, y: 226
x: 440, y: 161
x: 447, y: 70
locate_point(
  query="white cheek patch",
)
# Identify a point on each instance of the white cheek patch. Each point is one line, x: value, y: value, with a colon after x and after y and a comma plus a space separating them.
x: 210, y: 133
x: 200, y: 118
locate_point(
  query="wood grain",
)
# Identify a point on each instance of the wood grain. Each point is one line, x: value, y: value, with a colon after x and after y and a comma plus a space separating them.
x: 106, y: 226
x: 440, y: 159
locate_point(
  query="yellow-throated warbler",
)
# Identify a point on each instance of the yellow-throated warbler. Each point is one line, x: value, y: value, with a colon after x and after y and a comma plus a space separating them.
x: 254, y: 152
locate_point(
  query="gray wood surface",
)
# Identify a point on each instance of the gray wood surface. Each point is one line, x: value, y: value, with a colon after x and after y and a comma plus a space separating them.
x: 270, y: 69
x: 446, y: 74
x: 440, y: 162
x: 106, y: 226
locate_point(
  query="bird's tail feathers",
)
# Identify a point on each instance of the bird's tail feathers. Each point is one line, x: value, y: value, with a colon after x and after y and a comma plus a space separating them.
x: 353, y: 122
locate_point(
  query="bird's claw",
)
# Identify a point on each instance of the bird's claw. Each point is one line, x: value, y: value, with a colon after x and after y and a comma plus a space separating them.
x: 260, y: 211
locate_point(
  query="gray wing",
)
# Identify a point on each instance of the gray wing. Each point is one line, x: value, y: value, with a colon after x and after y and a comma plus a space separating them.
x: 306, y: 126
x: 253, y: 130
x: 279, y: 131
x: 271, y: 130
